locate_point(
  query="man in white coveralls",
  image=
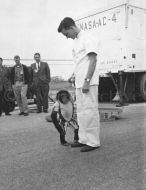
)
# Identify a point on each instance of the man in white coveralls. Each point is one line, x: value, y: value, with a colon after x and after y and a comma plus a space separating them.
x: 86, y: 82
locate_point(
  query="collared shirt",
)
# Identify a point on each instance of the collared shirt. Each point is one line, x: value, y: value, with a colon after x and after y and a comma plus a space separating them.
x: 84, y: 44
x: 37, y: 66
x: 19, y: 74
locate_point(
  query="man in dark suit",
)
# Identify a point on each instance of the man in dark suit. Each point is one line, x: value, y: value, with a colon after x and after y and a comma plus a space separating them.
x: 40, y: 72
x: 4, y: 87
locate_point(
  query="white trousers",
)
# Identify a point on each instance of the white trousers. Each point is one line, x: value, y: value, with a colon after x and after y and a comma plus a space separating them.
x: 88, y: 116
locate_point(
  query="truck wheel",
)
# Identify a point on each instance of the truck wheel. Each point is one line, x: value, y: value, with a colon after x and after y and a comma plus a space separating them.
x: 142, y: 87
x: 9, y: 100
x: 107, y: 90
x: 11, y: 106
x: 35, y: 101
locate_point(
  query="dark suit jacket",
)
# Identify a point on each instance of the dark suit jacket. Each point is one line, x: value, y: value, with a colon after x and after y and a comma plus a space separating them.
x: 26, y: 75
x: 42, y: 75
x: 4, y: 78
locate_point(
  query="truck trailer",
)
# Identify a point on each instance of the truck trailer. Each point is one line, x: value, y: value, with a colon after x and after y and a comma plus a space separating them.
x: 120, y: 30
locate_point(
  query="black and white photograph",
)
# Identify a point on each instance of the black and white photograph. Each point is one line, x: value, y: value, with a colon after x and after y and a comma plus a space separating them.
x: 73, y: 95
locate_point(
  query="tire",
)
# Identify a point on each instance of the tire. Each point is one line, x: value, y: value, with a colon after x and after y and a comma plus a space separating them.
x: 107, y: 90
x: 11, y: 106
x: 9, y: 100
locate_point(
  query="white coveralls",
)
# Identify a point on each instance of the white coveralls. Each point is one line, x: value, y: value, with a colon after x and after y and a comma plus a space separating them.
x: 87, y: 103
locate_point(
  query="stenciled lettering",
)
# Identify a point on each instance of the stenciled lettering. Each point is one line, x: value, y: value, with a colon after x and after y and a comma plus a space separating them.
x: 95, y: 23
x: 90, y: 25
x: 99, y: 22
x: 104, y: 20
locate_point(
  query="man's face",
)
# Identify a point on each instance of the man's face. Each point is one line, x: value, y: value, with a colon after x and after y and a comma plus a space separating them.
x: 37, y: 58
x: 69, y: 33
x: 17, y: 60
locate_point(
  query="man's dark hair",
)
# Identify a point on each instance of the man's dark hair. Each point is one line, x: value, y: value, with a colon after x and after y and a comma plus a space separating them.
x: 66, y: 23
x: 16, y: 57
x: 37, y: 54
x: 1, y: 59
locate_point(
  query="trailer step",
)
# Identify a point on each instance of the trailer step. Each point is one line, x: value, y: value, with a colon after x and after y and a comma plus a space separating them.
x: 109, y: 112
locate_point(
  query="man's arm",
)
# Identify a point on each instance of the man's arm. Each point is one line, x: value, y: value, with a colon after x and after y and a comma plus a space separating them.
x: 7, y: 82
x: 48, y: 72
x: 92, y: 65
x: 31, y: 75
x: 72, y: 79
x: 27, y: 74
x: 12, y: 75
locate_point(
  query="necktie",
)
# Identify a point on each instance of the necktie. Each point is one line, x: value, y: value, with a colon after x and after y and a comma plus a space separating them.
x: 38, y: 65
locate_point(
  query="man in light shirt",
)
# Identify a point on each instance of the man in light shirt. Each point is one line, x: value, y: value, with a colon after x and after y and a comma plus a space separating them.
x: 86, y: 77
x: 20, y: 80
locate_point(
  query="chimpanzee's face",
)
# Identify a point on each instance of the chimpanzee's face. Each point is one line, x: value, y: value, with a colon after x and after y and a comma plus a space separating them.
x: 64, y: 98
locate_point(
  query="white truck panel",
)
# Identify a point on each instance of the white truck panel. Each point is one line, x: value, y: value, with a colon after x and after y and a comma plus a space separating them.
x: 135, y: 37
x: 138, y: 3
x: 121, y: 35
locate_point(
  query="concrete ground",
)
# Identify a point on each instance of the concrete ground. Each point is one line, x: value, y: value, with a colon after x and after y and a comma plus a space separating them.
x: 31, y: 157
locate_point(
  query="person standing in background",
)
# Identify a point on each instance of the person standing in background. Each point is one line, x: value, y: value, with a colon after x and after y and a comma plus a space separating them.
x: 4, y: 87
x: 86, y: 76
x: 40, y: 74
x: 20, y: 79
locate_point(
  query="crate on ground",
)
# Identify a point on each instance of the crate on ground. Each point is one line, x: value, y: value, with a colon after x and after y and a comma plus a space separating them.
x: 109, y: 112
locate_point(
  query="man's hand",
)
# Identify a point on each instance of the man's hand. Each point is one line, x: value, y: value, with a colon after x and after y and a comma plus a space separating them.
x: 71, y: 79
x: 85, y: 88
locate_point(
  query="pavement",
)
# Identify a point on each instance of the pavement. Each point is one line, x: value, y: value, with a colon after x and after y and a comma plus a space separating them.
x: 31, y: 157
